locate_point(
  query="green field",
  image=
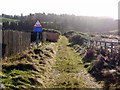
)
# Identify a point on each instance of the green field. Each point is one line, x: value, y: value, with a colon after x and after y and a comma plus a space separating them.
x: 7, y: 19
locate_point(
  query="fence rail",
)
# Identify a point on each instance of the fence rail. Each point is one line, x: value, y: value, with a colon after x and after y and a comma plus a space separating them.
x: 14, y: 42
x: 107, y: 45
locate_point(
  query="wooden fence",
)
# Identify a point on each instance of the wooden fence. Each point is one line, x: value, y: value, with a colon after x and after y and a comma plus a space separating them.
x: 46, y: 35
x: 107, y: 45
x: 50, y: 36
x: 14, y: 42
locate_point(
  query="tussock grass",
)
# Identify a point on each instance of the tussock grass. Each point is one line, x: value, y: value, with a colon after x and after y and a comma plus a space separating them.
x: 26, y: 69
x: 54, y: 65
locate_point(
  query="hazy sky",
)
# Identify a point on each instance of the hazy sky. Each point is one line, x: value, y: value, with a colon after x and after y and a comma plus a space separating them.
x: 77, y: 7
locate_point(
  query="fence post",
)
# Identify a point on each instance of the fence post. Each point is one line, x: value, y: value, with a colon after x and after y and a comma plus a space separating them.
x: 111, y: 48
x: 96, y: 43
x: 100, y: 43
x: 44, y: 36
x: 105, y: 46
x: 0, y: 44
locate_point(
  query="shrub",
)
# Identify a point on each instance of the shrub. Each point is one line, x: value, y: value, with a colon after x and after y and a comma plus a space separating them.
x: 78, y: 39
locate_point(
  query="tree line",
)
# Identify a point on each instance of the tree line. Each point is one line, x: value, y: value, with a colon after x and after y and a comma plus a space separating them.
x: 63, y: 22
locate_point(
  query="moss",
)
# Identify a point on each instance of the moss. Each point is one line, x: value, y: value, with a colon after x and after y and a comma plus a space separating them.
x: 17, y: 77
x: 11, y: 86
x: 19, y: 72
x: 20, y: 66
x: 2, y: 75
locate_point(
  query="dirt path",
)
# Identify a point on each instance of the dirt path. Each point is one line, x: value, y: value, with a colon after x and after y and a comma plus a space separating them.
x: 68, y: 70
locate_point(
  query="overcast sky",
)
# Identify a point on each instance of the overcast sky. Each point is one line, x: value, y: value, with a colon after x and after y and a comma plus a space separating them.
x: 107, y: 8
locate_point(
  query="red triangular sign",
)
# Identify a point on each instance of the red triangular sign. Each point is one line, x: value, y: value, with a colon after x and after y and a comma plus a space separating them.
x: 37, y: 24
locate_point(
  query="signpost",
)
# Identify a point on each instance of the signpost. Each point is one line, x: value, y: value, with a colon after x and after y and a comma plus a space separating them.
x: 38, y: 29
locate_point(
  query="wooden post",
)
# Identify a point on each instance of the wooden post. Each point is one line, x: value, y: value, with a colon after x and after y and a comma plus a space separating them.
x: 100, y: 43
x: 105, y: 46
x: 96, y: 43
x: 44, y: 36
x: 0, y: 44
x: 111, y: 48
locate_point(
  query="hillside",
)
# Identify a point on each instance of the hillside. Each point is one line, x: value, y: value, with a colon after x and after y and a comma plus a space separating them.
x: 53, y: 65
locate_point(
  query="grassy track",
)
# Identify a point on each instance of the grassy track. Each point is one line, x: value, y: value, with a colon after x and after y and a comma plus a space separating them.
x: 68, y: 71
x: 59, y: 68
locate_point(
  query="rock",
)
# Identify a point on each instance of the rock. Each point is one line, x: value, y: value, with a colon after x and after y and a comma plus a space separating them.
x: 107, y: 73
x: 112, y: 71
x: 2, y: 86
